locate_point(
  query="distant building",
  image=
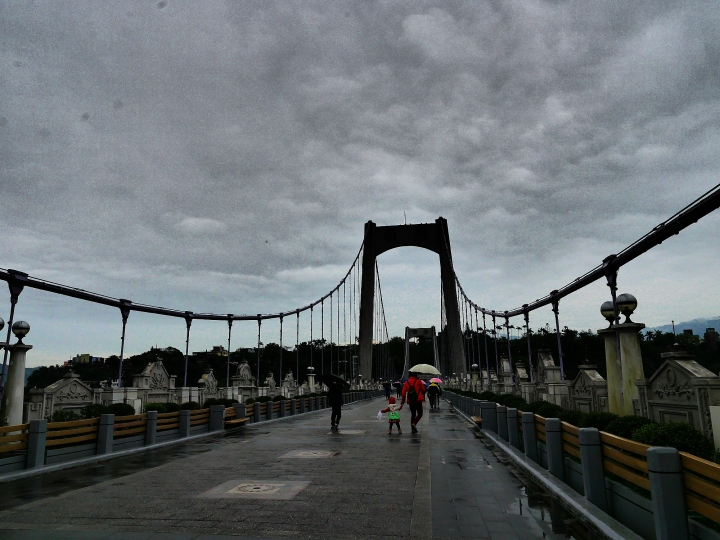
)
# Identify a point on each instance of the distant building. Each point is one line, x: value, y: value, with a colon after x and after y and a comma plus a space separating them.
x: 86, y: 359
x: 217, y: 350
x: 711, y: 337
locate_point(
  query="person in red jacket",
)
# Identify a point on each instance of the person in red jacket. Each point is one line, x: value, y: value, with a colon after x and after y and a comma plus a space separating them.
x: 413, y: 392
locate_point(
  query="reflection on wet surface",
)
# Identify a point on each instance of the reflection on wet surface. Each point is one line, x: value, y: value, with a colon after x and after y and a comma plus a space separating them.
x: 53, y: 484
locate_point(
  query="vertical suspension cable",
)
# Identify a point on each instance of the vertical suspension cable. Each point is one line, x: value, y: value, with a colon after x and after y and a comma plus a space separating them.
x: 487, y: 356
x: 227, y: 379
x: 495, y: 335
x: 477, y: 336
x: 556, y: 310
x: 507, y: 326
x: 331, y: 330
x: 473, y: 336
x: 281, y: 354
x: 297, y: 347
x: 527, y: 334
x: 259, y: 321
x: 345, y: 308
x: 312, y: 345
x: 338, y: 327
x: 322, y: 336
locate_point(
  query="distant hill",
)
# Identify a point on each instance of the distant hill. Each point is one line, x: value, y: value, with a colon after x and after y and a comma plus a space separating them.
x: 698, y: 326
x: 28, y: 371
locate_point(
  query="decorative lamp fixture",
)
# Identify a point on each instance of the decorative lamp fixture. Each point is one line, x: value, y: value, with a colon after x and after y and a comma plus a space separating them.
x: 311, y: 369
x: 607, y: 311
x: 474, y: 368
x: 626, y: 304
x: 20, y: 329
x: 2, y: 323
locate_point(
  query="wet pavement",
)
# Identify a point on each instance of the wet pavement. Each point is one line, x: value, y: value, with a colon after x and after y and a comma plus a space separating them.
x: 296, y: 479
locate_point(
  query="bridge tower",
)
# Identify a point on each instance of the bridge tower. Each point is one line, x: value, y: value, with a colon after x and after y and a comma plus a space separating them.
x: 431, y: 236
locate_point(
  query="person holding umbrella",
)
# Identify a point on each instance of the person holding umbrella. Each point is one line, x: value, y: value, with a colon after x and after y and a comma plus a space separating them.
x: 434, y: 392
x: 413, y: 392
x: 335, y: 385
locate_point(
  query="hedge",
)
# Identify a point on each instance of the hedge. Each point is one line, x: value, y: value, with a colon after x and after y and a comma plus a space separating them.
x: 678, y: 435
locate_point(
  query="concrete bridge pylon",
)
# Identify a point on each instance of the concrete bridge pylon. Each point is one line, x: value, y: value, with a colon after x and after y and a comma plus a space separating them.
x: 431, y: 236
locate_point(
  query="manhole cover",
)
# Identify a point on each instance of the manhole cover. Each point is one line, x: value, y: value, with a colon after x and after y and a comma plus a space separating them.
x: 255, y: 489
x: 308, y: 454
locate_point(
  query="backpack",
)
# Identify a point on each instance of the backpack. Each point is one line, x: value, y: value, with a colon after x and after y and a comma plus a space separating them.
x: 412, y: 394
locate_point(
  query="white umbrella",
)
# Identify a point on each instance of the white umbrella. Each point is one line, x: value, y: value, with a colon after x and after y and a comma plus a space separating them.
x: 424, y: 369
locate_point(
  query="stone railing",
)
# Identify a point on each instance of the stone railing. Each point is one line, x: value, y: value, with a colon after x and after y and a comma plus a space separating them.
x: 656, y: 492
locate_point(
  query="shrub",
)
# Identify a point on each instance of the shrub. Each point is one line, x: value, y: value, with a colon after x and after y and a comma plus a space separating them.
x: 534, y: 406
x: 678, y: 435
x: 263, y: 399
x: 625, y: 425
x: 487, y: 395
x: 574, y: 418
x: 249, y: 401
x: 64, y: 415
x: 549, y: 410
x: 599, y: 420
x: 171, y: 407
x: 219, y: 401
x: 278, y: 398
x: 121, y: 409
x: 159, y: 407
x: 93, y: 410
x: 190, y: 406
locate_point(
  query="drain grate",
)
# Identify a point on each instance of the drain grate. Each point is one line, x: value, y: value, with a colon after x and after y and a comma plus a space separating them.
x: 308, y: 454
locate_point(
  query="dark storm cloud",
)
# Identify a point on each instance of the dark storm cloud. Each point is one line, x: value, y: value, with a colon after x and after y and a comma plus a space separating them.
x: 214, y: 155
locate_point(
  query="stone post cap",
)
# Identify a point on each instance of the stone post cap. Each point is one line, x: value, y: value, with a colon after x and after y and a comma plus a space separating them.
x: 20, y: 347
x: 152, y: 415
x: 217, y: 407
x: 512, y: 412
x: 528, y: 417
x: 38, y: 426
x: 184, y: 412
x: 624, y: 327
x: 663, y: 459
x: 589, y: 436
x: 107, y: 419
x: 488, y: 405
x: 501, y: 408
x: 553, y: 424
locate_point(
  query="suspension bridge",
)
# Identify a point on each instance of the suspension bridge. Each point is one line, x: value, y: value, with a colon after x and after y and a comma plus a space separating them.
x: 469, y: 473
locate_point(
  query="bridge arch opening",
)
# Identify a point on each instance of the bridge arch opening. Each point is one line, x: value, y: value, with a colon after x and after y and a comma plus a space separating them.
x: 430, y: 236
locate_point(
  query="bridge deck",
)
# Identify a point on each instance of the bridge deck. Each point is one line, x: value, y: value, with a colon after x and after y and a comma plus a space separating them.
x: 440, y: 483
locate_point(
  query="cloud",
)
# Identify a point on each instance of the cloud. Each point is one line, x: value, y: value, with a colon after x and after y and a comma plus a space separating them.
x: 195, y: 225
x: 241, y: 147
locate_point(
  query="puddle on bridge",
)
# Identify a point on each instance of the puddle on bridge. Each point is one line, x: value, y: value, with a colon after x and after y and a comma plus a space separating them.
x: 547, y: 511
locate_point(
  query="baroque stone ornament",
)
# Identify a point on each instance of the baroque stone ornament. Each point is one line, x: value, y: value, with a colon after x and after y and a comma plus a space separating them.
x: 157, y: 382
x: 72, y: 393
x: 673, y: 389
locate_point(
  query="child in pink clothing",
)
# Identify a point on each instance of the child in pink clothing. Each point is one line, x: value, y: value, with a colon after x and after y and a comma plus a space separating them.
x: 393, y: 410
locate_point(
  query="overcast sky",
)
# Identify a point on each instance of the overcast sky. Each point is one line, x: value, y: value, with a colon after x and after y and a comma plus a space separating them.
x: 224, y: 156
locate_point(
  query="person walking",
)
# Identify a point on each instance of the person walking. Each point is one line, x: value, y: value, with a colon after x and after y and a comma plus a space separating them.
x: 393, y: 412
x: 413, y: 393
x: 387, y: 388
x: 434, y: 392
x: 335, y: 400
